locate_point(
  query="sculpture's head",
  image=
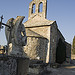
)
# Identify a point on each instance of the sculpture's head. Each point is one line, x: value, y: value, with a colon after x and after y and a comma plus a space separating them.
x: 20, y: 34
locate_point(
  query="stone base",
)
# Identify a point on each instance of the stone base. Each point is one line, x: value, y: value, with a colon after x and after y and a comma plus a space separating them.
x: 36, y: 67
x: 16, y: 53
x: 10, y: 65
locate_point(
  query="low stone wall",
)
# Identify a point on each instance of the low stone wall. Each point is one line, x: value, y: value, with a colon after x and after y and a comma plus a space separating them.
x: 13, y: 65
x: 8, y: 66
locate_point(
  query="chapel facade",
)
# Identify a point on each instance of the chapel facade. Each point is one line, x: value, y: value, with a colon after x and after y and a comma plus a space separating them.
x: 43, y: 35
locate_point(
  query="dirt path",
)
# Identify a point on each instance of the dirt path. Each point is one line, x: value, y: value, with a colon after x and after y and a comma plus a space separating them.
x: 67, y: 70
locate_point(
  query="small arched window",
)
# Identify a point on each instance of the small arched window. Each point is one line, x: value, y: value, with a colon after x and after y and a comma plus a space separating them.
x: 40, y: 7
x: 33, y: 8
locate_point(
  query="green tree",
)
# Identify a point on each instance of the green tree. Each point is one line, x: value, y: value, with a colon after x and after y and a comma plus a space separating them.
x: 73, y: 45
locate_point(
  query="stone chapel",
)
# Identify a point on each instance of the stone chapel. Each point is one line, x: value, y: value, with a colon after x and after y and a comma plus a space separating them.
x: 43, y: 35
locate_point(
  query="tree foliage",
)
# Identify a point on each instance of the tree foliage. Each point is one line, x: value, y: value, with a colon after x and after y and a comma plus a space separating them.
x: 61, y: 52
x: 73, y: 45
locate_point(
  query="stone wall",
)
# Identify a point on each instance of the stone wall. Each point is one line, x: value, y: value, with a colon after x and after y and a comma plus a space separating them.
x: 53, y: 43
x: 36, y: 48
x: 55, y: 35
x: 10, y: 65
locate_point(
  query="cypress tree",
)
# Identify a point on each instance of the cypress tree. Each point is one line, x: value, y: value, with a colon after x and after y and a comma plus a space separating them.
x: 73, y: 45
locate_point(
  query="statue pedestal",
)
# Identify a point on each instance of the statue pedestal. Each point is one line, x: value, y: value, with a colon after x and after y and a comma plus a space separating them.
x: 12, y: 65
x: 23, y: 66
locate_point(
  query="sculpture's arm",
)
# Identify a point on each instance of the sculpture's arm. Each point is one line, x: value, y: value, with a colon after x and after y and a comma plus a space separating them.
x: 7, y: 31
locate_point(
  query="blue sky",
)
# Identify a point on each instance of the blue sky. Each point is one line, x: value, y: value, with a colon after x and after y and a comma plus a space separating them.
x: 61, y: 11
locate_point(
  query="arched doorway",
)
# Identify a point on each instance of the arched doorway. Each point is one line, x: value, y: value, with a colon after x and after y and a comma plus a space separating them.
x: 60, y: 52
